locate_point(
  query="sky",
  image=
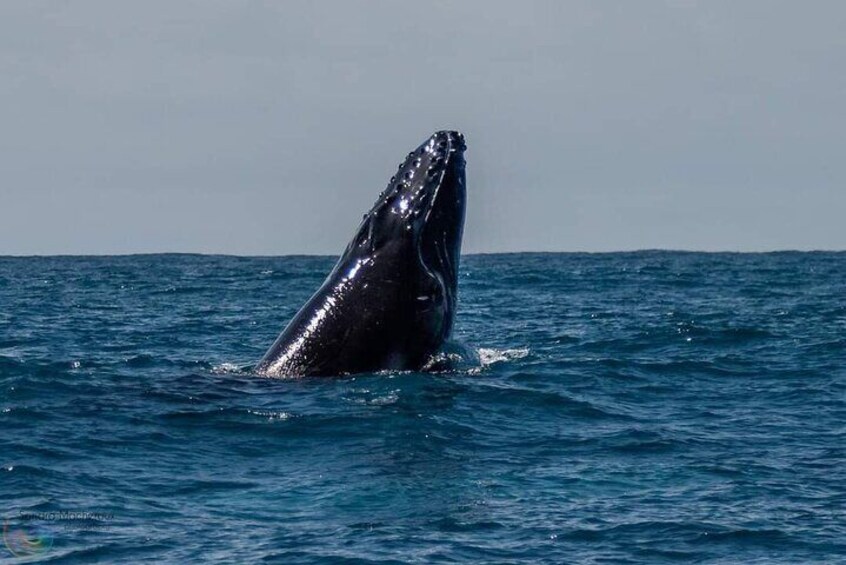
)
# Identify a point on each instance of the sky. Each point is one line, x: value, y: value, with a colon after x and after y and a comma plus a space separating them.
x: 270, y: 127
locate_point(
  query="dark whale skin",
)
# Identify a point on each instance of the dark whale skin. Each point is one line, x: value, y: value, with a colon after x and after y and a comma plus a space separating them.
x: 389, y: 302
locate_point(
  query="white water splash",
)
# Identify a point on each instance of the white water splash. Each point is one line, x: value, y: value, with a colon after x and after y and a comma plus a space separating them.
x: 490, y: 356
x: 226, y: 369
x: 271, y: 415
x: 457, y: 357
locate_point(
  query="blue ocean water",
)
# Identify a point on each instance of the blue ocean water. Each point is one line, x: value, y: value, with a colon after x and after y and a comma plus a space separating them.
x: 617, y: 408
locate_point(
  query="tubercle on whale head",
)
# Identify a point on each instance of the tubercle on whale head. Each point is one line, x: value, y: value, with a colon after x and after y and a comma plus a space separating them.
x: 429, y: 185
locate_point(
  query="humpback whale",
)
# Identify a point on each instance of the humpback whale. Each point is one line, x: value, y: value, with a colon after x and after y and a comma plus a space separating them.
x: 389, y: 302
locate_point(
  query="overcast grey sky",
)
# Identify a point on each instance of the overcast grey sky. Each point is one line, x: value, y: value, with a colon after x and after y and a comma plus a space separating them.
x: 270, y: 127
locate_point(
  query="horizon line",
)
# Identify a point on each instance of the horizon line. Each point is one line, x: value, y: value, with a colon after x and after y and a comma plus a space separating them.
x: 475, y: 253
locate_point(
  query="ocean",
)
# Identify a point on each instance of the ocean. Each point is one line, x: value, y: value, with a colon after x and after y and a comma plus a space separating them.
x: 643, y: 407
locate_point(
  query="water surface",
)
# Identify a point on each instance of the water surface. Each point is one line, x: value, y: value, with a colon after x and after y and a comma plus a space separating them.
x: 620, y: 408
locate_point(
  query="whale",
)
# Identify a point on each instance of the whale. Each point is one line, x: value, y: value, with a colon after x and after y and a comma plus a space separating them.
x: 389, y: 302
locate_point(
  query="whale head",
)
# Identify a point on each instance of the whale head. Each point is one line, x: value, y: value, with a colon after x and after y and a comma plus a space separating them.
x: 423, y: 204
x: 420, y: 215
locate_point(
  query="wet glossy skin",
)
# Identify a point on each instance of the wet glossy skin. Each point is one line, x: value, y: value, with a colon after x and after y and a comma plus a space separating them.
x: 389, y: 303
